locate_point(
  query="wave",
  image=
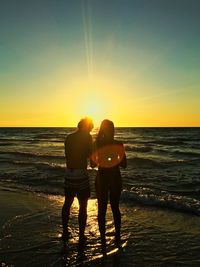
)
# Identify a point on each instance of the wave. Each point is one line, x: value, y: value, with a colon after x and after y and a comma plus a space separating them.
x: 39, y: 165
x: 146, y: 163
x: 14, y: 141
x: 138, y: 162
x: 31, y: 155
x: 189, y: 138
x: 178, y: 152
x: 138, y: 148
x: 54, y: 184
x: 6, y: 139
x: 35, y: 186
x: 48, y: 141
x: 186, y: 153
x: 49, y: 180
x: 50, y: 135
x: 155, y: 197
x: 165, y: 142
x: 35, y: 140
x: 6, y: 144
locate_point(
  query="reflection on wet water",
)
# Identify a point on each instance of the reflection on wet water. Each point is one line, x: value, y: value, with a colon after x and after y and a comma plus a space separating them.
x: 150, y: 237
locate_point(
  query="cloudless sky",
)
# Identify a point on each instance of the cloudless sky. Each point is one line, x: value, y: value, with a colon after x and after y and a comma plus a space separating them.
x: 136, y: 62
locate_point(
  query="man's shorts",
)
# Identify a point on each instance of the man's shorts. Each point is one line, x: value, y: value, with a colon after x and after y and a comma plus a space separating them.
x: 77, y: 183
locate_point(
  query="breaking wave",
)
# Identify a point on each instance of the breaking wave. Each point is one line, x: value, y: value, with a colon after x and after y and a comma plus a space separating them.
x: 155, y: 197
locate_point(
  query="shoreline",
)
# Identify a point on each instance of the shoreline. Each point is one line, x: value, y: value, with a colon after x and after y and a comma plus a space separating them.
x: 31, y: 229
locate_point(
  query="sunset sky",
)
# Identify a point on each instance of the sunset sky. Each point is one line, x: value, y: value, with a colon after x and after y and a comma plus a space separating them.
x: 136, y: 62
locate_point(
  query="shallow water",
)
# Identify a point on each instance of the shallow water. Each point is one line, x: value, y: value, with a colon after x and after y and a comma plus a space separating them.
x: 155, y: 237
x: 158, y: 158
x: 160, y: 205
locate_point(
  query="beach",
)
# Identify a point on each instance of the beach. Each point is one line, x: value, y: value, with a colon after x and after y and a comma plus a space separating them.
x: 31, y: 230
x: 100, y: 99
x: 160, y: 204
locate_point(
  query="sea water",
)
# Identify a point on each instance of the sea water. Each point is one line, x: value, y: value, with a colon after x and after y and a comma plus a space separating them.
x: 160, y: 203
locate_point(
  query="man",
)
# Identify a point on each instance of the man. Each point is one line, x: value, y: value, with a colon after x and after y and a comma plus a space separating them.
x: 78, y: 148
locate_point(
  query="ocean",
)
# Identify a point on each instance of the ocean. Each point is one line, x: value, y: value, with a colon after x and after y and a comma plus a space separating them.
x: 160, y: 202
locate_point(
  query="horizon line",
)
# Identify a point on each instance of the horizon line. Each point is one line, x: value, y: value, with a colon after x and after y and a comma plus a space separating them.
x: 98, y: 127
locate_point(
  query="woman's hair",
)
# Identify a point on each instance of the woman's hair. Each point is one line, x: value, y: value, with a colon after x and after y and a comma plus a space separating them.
x: 106, y: 133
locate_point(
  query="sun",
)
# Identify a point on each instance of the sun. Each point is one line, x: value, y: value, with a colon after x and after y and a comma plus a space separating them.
x: 98, y: 99
x: 93, y: 105
x: 93, y: 109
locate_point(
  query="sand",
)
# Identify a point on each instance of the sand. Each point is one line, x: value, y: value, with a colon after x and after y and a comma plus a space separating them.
x: 31, y: 229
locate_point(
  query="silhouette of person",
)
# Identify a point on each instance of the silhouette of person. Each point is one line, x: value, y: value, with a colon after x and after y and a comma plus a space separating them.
x: 108, y: 155
x: 78, y: 148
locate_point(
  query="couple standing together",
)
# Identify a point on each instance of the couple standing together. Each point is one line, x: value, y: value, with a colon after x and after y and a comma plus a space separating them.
x: 108, y: 155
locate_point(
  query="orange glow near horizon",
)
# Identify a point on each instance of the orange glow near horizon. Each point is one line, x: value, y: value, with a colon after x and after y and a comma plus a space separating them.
x: 63, y: 105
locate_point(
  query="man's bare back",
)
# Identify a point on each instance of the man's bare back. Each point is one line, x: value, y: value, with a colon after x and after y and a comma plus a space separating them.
x: 78, y: 147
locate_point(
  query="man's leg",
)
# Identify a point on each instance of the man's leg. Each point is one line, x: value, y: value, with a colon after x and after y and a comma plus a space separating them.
x: 82, y: 216
x: 65, y: 216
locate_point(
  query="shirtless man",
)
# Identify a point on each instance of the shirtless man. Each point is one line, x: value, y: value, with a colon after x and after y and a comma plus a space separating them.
x: 78, y: 148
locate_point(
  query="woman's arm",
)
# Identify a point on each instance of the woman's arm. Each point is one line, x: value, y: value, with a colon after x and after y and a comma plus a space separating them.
x: 123, y: 162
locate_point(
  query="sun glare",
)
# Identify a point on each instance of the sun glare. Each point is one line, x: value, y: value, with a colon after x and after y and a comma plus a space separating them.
x: 98, y: 99
x: 94, y: 105
x: 92, y: 109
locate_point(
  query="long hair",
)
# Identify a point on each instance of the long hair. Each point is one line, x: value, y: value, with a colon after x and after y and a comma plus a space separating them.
x: 105, y: 135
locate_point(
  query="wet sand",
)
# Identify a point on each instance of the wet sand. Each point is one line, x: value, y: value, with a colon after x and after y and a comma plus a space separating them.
x: 31, y: 229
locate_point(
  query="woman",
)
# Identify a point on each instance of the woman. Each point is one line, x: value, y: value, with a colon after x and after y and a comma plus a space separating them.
x: 109, y: 155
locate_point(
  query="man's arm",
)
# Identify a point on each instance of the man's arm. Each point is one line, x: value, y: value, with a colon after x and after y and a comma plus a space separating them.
x: 93, y: 164
x: 90, y: 147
